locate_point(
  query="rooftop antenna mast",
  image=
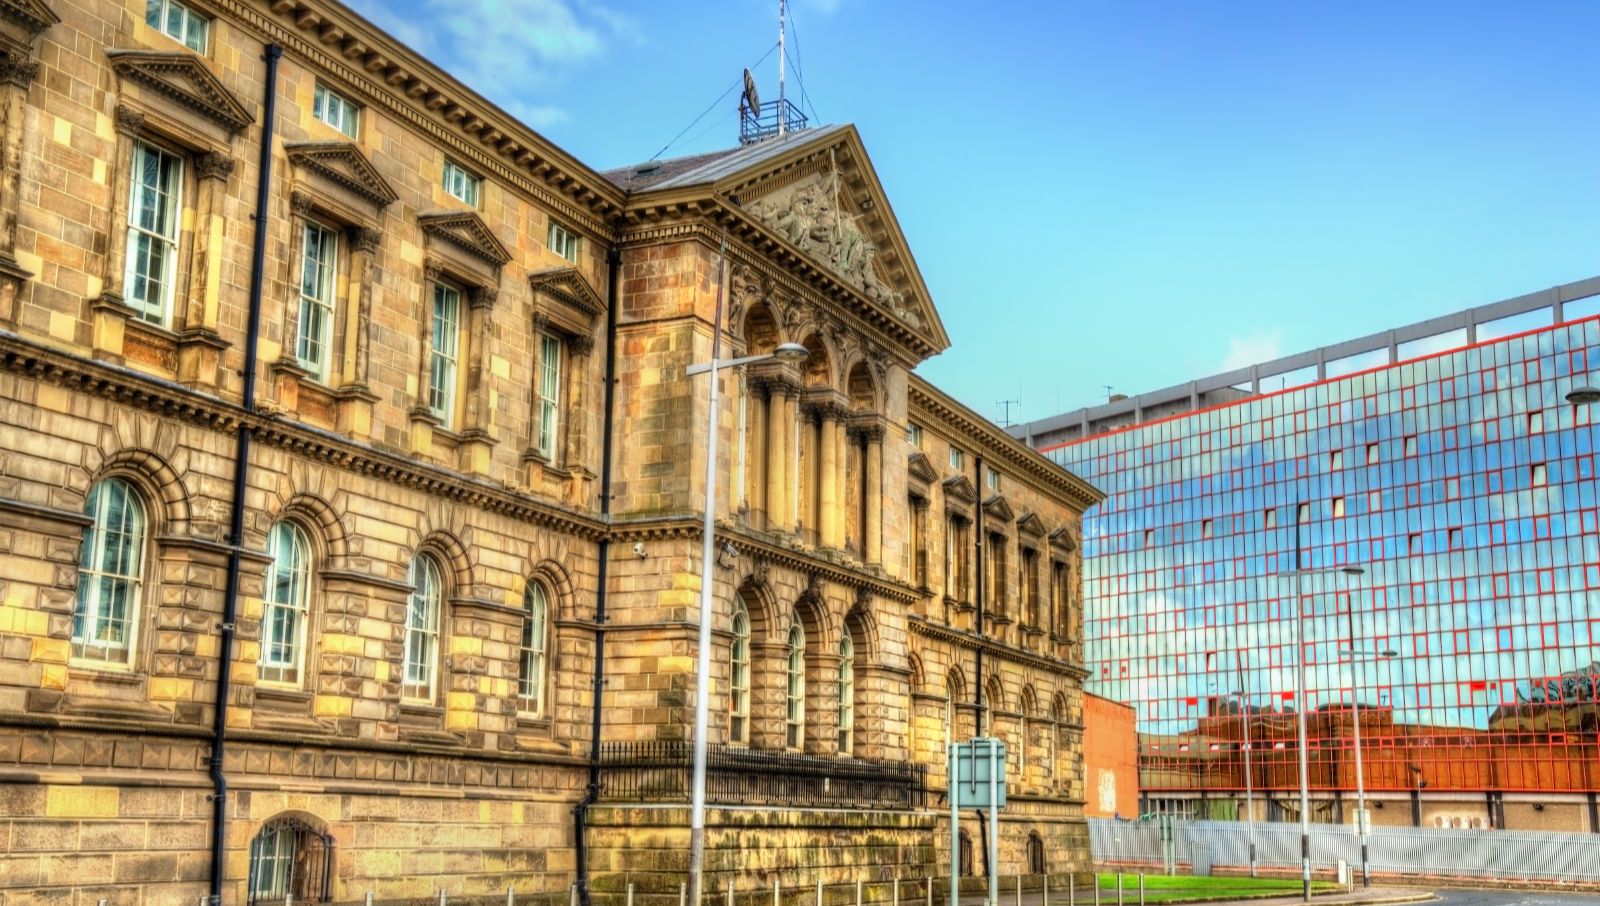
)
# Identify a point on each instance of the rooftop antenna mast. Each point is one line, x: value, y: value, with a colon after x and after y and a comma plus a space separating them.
x: 781, y: 65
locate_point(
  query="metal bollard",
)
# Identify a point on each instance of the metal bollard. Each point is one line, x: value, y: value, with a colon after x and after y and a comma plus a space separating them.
x: 858, y: 893
x: 895, y: 896
x: 1096, y: 888
x: 441, y: 898
x: 366, y: 900
x: 1141, y: 888
x: 819, y: 893
x: 730, y: 894
x: 511, y: 897
x: 683, y: 895
x: 1019, y: 890
x: 1046, y: 899
x: 777, y: 898
x: 1119, y: 888
x: 1072, y: 890
x: 630, y: 894
x: 929, y: 882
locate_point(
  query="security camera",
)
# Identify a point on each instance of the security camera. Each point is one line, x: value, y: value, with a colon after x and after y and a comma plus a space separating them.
x: 638, y: 550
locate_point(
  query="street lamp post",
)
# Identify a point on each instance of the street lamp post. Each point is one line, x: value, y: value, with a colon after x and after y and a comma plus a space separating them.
x: 1363, y: 825
x: 1300, y: 704
x: 1244, y: 717
x: 788, y: 352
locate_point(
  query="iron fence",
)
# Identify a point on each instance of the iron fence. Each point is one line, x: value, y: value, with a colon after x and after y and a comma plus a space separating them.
x: 1500, y: 854
x: 663, y: 772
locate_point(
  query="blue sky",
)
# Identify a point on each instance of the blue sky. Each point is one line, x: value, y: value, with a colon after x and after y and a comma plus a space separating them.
x: 1124, y: 193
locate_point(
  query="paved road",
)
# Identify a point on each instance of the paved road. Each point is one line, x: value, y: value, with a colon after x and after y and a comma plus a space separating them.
x: 1514, y: 898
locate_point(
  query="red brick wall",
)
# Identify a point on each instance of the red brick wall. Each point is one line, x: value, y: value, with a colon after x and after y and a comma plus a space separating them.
x: 1110, y: 759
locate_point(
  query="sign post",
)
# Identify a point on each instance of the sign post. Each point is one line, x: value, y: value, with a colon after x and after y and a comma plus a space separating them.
x: 977, y: 780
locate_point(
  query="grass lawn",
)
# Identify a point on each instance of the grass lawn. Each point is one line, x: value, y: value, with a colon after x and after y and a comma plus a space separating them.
x: 1169, y: 889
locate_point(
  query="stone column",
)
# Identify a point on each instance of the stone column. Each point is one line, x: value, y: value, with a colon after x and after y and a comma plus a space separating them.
x: 109, y: 310
x: 872, y: 507
x: 477, y: 435
x: 830, y: 473
x: 580, y: 348
x: 16, y: 74
x: 422, y: 420
x: 778, y: 422
x: 835, y: 436
x: 791, y: 456
x: 199, y: 345
x: 355, y: 397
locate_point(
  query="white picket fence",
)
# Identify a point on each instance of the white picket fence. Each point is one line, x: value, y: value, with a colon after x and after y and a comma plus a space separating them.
x: 1505, y: 855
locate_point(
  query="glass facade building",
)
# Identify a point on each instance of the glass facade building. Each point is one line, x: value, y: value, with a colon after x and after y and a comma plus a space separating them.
x: 1461, y: 483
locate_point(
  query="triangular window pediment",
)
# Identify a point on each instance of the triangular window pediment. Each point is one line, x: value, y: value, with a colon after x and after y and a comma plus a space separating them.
x: 567, y: 286
x: 343, y: 164
x: 1063, y: 539
x: 918, y: 467
x: 996, y: 507
x: 960, y: 488
x: 181, y: 77
x: 466, y: 231
x: 33, y: 15
x: 1030, y: 523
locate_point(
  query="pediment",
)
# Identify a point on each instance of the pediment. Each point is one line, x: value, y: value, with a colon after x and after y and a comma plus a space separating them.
x: 33, y: 15
x: 567, y: 286
x: 918, y: 467
x: 960, y: 488
x: 343, y: 164
x: 997, y: 507
x: 1063, y: 539
x: 810, y: 201
x: 1030, y: 524
x: 181, y: 77
x: 466, y: 231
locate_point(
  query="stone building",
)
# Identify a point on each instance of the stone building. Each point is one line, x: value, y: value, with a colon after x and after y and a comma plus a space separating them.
x: 326, y: 384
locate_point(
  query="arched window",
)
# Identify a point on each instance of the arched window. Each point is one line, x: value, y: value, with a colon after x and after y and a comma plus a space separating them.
x: 535, y: 648
x: 847, y: 695
x: 795, y: 715
x: 110, y: 574
x: 422, y: 630
x: 951, y: 693
x: 739, y: 677
x: 289, y: 858
x: 966, y: 855
x: 288, y: 602
x: 1035, y: 853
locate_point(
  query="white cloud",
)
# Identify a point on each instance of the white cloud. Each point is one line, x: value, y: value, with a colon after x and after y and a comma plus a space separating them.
x: 515, y: 52
x: 1258, y: 347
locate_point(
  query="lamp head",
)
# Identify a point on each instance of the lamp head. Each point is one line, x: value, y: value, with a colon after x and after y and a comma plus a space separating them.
x: 1583, y: 395
x: 1388, y: 652
x: 1352, y: 570
x: 791, y: 353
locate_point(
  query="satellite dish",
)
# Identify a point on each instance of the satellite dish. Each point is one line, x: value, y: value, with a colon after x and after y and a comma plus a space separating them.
x: 752, y: 100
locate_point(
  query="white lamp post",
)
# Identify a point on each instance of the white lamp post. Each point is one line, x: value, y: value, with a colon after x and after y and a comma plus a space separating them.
x: 1299, y: 576
x: 1363, y: 824
x: 788, y: 352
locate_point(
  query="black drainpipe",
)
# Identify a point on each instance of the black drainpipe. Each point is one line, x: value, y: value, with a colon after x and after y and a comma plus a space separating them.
x: 580, y: 812
x: 241, y: 463
x: 983, y: 705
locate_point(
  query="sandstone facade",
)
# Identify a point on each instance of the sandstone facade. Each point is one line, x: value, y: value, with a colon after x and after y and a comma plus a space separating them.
x: 433, y: 546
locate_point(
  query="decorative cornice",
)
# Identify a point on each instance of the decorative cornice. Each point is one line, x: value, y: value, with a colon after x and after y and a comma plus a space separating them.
x: 927, y: 404
x: 33, y: 15
x: 918, y: 467
x: 365, y: 239
x: 922, y: 626
x: 181, y: 76
x: 213, y: 165
x: 17, y: 68
x: 390, y: 77
x: 762, y: 549
x: 1063, y: 539
x: 1030, y: 524
x: 997, y: 507
x: 139, y: 391
x: 959, y: 487
x: 343, y: 164
x: 568, y: 286
x: 466, y: 231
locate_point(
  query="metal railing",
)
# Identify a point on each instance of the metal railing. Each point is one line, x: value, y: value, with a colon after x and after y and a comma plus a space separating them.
x: 1502, y: 854
x: 663, y: 772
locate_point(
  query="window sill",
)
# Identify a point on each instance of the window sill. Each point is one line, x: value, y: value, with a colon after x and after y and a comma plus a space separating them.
x: 101, y: 672
x: 283, y: 696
